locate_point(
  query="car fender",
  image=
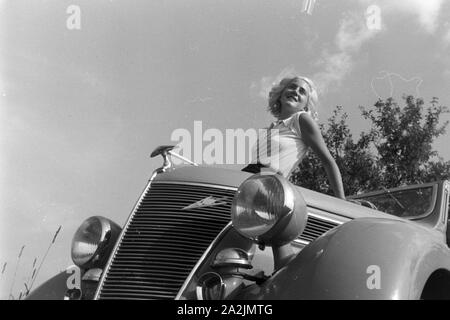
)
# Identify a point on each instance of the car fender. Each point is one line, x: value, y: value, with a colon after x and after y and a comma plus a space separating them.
x: 366, y: 258
x: 54, y: 288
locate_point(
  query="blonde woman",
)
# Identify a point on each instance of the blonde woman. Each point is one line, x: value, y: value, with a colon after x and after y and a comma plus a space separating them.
x: 293, y: 103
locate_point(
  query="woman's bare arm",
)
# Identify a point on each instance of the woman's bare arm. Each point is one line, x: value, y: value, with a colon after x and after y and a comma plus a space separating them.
x: 313, y: 138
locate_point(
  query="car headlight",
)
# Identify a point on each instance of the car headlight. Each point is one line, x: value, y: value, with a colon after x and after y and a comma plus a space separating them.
x: 269, y: 210
x: 93, y: 242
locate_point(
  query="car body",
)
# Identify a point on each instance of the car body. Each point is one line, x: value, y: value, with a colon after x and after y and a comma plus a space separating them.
x: 179, y: 243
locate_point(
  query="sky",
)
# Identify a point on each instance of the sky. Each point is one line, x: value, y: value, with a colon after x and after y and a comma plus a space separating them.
x: 89, y: 88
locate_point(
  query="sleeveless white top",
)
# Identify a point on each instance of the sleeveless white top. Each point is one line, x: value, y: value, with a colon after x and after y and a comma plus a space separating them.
x: 280, y: 147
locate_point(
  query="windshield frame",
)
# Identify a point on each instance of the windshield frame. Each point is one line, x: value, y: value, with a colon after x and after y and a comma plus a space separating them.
x: 427, y: 212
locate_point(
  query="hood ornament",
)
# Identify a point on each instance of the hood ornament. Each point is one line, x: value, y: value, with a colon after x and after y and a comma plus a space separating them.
x: 207, y: 202
x: 166, y: 151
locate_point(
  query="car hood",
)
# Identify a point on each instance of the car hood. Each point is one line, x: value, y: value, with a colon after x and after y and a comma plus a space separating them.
x: 233, y: 178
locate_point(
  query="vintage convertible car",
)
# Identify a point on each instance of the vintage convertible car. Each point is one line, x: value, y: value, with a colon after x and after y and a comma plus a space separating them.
x: 210, y: 233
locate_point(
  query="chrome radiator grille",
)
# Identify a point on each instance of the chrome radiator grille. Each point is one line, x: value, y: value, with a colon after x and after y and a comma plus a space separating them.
x: 162, y: 243
x: 315, y: 227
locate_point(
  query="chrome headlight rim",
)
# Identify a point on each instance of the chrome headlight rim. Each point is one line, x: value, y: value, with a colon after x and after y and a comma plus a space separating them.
x: 107, y: 237
x: 293, y: 203
x: 206, y: 285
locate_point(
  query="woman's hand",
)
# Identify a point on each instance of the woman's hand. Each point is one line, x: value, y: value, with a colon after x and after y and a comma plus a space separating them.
x: 313, y: 138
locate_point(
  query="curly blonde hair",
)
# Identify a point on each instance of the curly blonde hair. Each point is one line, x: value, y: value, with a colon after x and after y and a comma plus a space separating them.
x: 275, y: 93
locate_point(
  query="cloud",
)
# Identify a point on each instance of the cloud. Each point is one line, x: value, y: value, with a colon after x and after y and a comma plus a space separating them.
x: 335, y: 66
x: 427, y: 11
x: 337, y: 61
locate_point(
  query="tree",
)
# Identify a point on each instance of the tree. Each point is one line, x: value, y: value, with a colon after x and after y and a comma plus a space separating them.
x: 396, y: 151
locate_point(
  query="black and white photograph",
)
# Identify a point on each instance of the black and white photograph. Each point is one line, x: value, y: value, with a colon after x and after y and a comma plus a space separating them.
x: 232, y: 150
